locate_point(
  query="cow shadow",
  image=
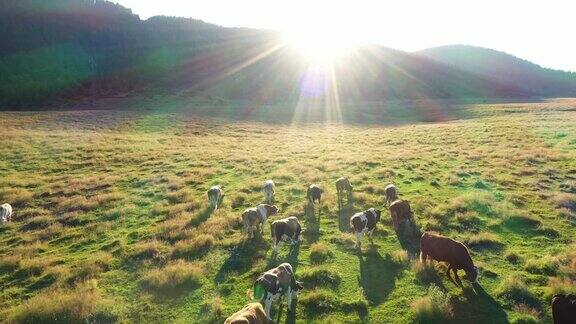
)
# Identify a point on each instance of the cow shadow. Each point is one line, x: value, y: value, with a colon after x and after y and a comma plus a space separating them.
x: 478, y: 307
x: 377, y: 275
x: 312, y: 230
x: 408, y: 234
x: 200, y: 217
x: 291, y: 257
x: 349, y: 200
x: 344, y: 215
x: 241, y: 258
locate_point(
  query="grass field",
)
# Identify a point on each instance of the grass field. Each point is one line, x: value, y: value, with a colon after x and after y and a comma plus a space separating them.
x: 112, y: 223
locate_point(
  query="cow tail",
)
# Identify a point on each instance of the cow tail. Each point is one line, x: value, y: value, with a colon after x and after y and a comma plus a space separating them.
x: 272, y: 229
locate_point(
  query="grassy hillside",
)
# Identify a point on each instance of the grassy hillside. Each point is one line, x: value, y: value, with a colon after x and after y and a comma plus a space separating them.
x: 506, y: 69
x: 112, y: 220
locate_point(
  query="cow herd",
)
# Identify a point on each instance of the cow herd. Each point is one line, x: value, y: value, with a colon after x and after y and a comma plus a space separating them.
x: 281, y: 281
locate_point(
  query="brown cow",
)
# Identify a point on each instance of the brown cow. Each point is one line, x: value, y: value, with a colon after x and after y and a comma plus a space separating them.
x: 391, y: 193
x: 287, y: 229
x: 314, y: 193
x: 343, y: 185
x: 276, y: 283
x: 252, y: 313
x: 255, y: 217
x: 564, y: 309
x: 400, y: 212
x: 441, y: 248
x: 364, y: 223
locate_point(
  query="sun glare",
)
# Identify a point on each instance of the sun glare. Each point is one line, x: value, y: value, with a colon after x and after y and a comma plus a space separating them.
x: 319, y: 47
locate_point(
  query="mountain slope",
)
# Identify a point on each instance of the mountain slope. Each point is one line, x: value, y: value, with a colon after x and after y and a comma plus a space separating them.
x: 76, y: 49
x: 506, y: 69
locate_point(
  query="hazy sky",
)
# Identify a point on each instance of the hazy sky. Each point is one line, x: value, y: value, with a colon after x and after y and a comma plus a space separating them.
x: 540, y: 31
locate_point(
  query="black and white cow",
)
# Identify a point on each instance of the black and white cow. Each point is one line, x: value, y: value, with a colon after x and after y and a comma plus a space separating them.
x: 255, y: 217
x: 269, y: 189
x: 5, y: 213
x: 287, y: 229
x: 314, y: 193
x: 364, y: 223
x: 215, y: 196
x: 274, y: 284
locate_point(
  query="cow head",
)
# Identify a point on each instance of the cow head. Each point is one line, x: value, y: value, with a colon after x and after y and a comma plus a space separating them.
x: 473, y: 274
x: 377, y: 213
x: 272, y: 210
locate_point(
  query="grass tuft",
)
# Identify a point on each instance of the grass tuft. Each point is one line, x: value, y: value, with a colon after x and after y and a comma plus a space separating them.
x: 320, y: 253
x: 174, y: 277
x: 514, y: 290
x: 436, y: 306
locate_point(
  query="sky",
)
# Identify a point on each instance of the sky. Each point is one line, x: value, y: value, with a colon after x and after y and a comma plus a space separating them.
x: 539, y: 31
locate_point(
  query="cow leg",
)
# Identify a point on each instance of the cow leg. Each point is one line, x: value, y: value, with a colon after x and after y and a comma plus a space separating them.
x: 458, y: 281
x: 268, y: 305
x: 358, y: 237
x: 289, y: 294
x: 448, y: 271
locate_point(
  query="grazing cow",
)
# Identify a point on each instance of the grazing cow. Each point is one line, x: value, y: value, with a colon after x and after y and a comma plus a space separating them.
x: 215, y: 196
x: 252, y: 313
x: 5, y: 213
x: 314, y: 193
x: 391, y: 193
x: 256, y: 216
x: 269, y: 190
x: 276, y: 283
x: 441, y: 248
x: 400, y: 212
x: 343, y: 185
x: 284, y: 230
x: 564, y: 309
x: 364, y: 222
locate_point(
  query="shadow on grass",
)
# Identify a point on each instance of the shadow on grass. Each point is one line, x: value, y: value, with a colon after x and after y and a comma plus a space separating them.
x: 291, y: 257
x: 242, y: 257
x: 344, y: 215
x: 200, y: 217
x: 377, y: 275
x: 312, y: 231
x: 479, y: 307
x: 408, y: 235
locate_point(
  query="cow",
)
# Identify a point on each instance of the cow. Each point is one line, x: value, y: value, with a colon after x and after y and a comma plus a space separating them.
x: 287, y: 229
x: 5, y: 213
x: 314, y: 193
x: 274, y: 284
x: 564, y: 309
x: 343, y: 185
x: 252, y: 313
x: 269, y: 190
x: 400, y: 212
x: 255, y: 217
x: 364, y: 223
x: 391, y: 193
x: 215, y: 196
x: 444, y: 249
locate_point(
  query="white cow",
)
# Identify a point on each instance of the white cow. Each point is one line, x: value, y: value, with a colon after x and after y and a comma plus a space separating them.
x: 215, y: 196
x: 5, y: 213
x: 269, y: 190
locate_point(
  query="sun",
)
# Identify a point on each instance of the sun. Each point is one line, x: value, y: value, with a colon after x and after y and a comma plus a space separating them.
x: 319, y: 47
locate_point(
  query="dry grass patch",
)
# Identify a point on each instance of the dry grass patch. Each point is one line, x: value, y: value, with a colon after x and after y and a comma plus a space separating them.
x: 82, y: 305
x: 175, y: 277
x: 17, y: 197
x: 194, y: 248
x: 436, y: 306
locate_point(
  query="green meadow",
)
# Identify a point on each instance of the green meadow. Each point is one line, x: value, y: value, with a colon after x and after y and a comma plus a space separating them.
x: 112, y: 222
